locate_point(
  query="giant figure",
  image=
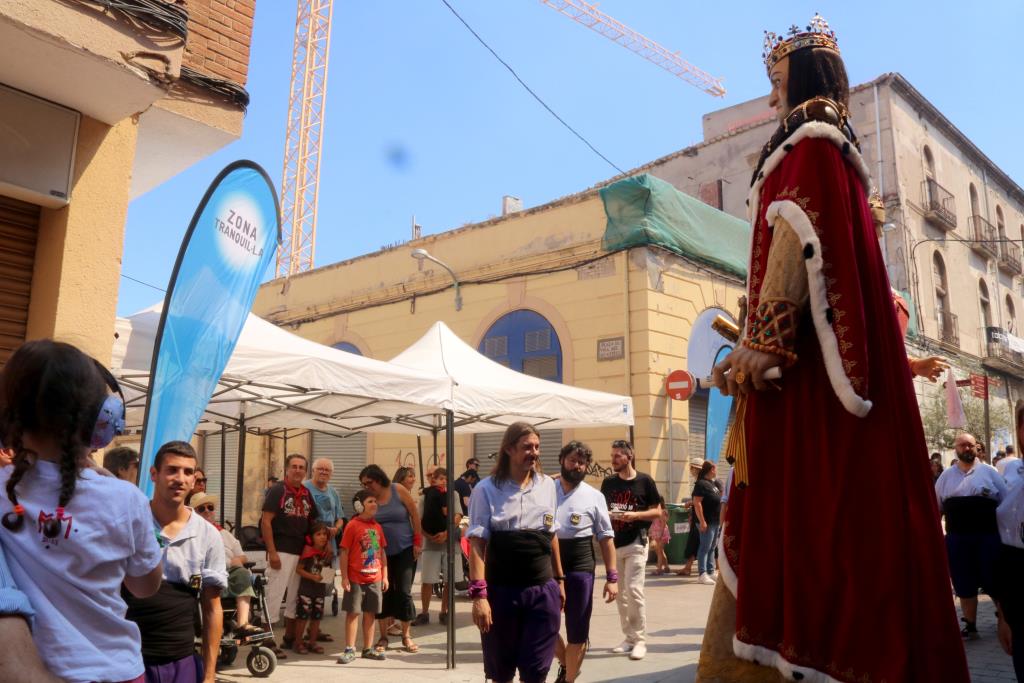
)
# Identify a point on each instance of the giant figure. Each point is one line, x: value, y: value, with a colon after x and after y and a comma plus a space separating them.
x: 832, y: 558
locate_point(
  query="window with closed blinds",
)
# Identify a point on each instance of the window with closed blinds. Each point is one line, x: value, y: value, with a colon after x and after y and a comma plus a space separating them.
x: 486, y: 445
x: 348, y: 455
x: 19, y: 228
x: 228, y: 476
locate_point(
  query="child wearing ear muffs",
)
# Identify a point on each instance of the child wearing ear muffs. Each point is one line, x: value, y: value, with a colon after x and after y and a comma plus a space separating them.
x: 72, y: 535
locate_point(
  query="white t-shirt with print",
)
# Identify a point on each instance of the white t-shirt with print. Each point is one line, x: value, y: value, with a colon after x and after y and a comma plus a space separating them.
x: 74, y: 580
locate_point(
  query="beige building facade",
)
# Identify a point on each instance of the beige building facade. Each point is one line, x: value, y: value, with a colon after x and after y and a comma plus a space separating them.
x: 540, y: 293
x: 97, y: 108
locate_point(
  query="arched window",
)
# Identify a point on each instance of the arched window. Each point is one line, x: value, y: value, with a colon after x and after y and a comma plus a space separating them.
x: 1000, y: 222
x: 941, y: 288
x: 347, y: 346
x: 986, y: 306
x: 1011, y: 315
x: 929, y: 164
x: 525, y: 341
x: 974, y: 201
x: 931, y: 191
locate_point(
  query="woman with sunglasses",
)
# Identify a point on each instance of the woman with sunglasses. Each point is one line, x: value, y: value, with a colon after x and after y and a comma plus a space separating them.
x: 398, y: 516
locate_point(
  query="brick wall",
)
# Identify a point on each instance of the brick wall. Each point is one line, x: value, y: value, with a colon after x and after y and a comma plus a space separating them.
x: 219, y: 35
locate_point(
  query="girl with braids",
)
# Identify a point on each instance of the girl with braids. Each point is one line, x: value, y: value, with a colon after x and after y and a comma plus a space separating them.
x: 72, y: 535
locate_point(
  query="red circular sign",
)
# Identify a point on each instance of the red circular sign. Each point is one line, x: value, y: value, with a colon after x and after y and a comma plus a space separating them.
x: 680, y: 385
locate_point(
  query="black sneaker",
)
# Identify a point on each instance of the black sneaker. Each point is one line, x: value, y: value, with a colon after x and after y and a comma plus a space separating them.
x: 421, y: 619
x: 969, y: 631
x: 443, y: 618
x: 561, y: 674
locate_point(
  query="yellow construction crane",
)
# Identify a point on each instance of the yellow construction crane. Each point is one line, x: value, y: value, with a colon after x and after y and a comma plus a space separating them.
x: 617, y: 32
x: 307, y: 101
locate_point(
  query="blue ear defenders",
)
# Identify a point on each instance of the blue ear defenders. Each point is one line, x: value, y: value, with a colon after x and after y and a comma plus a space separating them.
x: 110, y: 420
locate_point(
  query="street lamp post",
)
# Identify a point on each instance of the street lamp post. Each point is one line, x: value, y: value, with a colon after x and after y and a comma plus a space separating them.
x: 424, y: 255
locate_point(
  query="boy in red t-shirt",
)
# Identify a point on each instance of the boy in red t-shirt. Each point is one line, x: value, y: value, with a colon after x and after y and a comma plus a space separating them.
x: 364, y: 575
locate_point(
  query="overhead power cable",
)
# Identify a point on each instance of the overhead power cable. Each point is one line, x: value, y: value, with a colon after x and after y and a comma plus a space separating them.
x: 529, y: 89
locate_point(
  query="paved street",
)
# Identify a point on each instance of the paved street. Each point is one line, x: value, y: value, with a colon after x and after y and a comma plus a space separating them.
x: 676, y: 612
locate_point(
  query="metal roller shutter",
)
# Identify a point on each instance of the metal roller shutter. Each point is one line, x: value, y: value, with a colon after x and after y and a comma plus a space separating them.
x: 214, y: 476
x: 19, y: 228
x: 484, y: 445
x: 698, y: 419
x: 348, y: 455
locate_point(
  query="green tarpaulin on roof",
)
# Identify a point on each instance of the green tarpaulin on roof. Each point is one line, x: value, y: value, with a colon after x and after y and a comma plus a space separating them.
x: 644, y: 210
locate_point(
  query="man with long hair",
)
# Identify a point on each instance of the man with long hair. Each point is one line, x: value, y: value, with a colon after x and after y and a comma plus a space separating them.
x: 791, y: 603
x: 516, y: 579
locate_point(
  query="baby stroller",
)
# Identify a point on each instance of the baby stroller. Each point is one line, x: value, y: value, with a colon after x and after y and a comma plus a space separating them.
x: 261, y: 660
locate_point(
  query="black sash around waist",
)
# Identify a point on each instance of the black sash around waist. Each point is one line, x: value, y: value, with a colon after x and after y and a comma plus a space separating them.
x: 577, y: 554
x: 166, y: 621
x: 970, y: 515
x: 519, y: 558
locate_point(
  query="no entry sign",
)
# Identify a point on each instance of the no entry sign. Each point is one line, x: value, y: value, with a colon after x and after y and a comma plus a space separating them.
x: 680, y: 385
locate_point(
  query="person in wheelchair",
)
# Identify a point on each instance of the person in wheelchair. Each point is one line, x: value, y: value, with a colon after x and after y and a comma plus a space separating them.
x: 239, y: 577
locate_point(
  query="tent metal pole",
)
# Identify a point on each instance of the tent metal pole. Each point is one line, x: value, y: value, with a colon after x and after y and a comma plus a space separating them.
x: 419, y: 449
x: 453, y: 544
x: 435, y: 442
x: 240, y: 479
x: 223, y: 469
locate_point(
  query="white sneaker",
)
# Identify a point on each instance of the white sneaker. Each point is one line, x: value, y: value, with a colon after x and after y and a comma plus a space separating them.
x: 706, y: 579
x: 638, y: 651
x: 623, y: 647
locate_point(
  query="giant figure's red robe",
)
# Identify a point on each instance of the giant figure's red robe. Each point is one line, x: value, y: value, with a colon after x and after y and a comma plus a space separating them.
x: 833, y: 551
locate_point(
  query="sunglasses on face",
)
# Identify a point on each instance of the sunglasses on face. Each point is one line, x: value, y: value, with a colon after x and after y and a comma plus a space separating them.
x: 204, y: 508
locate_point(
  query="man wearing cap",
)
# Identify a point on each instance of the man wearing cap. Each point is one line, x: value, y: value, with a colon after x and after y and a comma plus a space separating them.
x: 693, y: 538
x: 239, y: 578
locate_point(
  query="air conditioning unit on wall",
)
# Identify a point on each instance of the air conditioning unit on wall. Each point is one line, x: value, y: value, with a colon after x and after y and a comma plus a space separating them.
x: 37, y: 148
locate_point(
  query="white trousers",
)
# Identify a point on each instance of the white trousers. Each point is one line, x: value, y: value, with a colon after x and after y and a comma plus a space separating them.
x: 632, y: 562
x: 278, y: 582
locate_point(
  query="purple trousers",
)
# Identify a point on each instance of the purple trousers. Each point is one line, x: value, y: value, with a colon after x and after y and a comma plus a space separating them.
x: 579, y: 604
x: 185, y: 670
x: 523, y: 633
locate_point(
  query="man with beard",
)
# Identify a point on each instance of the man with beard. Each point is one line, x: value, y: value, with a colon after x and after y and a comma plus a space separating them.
x: 194, y: 568
x: 582, y: 514
x: 968, y: 496
x: 632, y: 498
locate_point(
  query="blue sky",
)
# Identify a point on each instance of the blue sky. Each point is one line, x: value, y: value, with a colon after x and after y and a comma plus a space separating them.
x: 422, y: 120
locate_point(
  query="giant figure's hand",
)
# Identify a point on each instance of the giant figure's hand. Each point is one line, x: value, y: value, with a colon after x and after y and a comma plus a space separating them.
x: 748, y: 364
x: 931, y: 368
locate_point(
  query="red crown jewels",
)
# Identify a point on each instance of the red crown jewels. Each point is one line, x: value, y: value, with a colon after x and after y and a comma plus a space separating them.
x: 817, y: 34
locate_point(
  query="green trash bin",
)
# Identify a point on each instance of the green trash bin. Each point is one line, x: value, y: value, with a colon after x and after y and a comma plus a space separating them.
x: 679, y: 528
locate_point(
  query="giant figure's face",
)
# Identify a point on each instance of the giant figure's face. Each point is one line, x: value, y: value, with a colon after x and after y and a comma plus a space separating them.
x: 779, y: 78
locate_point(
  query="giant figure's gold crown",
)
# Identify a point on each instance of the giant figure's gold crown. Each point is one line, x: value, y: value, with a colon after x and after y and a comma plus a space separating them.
x: 817, y: 34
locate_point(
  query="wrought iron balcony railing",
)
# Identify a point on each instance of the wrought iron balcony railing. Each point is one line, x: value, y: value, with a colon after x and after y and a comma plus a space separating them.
x: 939, y: 205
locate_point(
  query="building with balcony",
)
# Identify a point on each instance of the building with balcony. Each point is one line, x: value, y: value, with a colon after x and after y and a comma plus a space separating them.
x: 954, y: 220
x: 99, y: 103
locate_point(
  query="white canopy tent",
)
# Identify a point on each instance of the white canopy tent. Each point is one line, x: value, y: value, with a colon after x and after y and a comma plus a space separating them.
x: 285, y: 381
x: 487, y: 396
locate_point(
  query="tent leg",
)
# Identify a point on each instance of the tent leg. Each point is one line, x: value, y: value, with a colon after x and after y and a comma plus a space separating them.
x: 453, y: 545
x: 240, y: 479
x: 419, y: 449
x: 435, y: 446
x: 223, y: 470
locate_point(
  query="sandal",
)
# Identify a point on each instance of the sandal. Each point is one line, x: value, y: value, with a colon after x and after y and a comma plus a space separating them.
x: 409, y: 646
x: 300, y: 648
x: 315, y: 649
x: 395, y: 629
x: 380, y: 646
x: 324, y: 638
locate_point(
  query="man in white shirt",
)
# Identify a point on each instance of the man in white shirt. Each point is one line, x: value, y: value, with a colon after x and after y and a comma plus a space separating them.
x: 968, y: 494
x: 194, y: 568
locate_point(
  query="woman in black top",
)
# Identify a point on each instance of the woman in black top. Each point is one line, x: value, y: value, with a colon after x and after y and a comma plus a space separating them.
x: 707, y: 504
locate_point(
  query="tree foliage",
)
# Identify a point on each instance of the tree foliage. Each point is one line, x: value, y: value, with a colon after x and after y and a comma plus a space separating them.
x: 940, y: 435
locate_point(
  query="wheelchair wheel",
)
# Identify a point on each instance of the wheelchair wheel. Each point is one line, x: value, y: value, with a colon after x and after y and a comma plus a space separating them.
x: 228, y: 653
x: 334, y: 605
x: 261, y: 662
